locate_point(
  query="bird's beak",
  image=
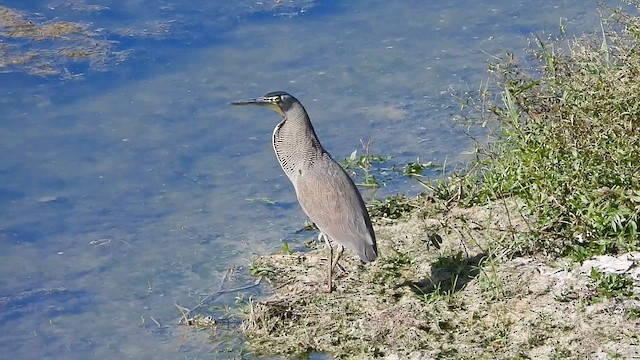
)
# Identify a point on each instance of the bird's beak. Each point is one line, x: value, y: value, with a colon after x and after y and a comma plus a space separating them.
x: 261, y: 101
x: 257, y: 101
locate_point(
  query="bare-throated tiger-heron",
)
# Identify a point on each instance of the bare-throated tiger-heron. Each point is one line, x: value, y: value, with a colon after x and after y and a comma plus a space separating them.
x: 325, y: 191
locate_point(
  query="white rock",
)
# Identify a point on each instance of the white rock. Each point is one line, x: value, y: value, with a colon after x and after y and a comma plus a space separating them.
x: 608, y: 264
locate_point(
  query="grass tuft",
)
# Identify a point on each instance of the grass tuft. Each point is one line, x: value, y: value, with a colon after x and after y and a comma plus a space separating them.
x: 568, y: 142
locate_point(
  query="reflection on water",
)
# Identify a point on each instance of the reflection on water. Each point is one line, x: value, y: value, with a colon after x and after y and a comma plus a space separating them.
x: 129, y: 188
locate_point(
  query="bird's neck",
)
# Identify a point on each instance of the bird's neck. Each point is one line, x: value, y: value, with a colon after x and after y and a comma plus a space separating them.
x: 295, y: 143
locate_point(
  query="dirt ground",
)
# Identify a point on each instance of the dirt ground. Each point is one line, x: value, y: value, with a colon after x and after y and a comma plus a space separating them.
x: 446, y: 285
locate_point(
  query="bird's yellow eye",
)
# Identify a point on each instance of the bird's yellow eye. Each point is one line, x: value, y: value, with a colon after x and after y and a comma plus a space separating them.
x: 275, y: 99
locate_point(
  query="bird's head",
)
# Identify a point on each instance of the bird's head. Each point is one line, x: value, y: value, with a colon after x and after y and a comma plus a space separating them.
x: 279, y: 101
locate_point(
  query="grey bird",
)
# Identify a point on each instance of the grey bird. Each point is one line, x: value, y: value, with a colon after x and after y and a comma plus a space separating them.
x: 325, y: 191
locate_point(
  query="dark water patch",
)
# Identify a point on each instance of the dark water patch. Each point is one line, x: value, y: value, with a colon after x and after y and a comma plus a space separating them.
x: 21, y: 234
x: 8, y: 195
x: 46, y: 302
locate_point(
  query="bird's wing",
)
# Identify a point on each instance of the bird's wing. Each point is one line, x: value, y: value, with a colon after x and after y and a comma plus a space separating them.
x: 330, y: 199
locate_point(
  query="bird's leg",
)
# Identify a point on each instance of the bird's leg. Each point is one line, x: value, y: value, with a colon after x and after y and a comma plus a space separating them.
x: 326, y: 240
x: 340, y: 252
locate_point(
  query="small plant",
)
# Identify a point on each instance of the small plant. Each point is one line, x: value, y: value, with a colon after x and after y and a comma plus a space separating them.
x: 285, y: 249
x: 308, y: 225
x: 392, y: 268
x: 490, y: 282
x: 415, y: 169
x: 580, y: 253
x: 393, y: 207
x: 611, y: 285
x: 455, y: 264
x: 261, y: 271
x: 364, y: 164
x: 633, y: 314
x: 439, y: 292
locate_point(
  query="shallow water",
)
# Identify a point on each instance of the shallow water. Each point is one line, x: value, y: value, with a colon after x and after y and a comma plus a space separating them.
x: 128, y: 184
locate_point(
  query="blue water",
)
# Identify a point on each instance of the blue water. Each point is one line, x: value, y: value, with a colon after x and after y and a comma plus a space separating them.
x: 128, y: 185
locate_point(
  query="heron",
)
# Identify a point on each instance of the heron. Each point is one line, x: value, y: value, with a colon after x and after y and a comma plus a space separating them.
x: 326, y: 193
